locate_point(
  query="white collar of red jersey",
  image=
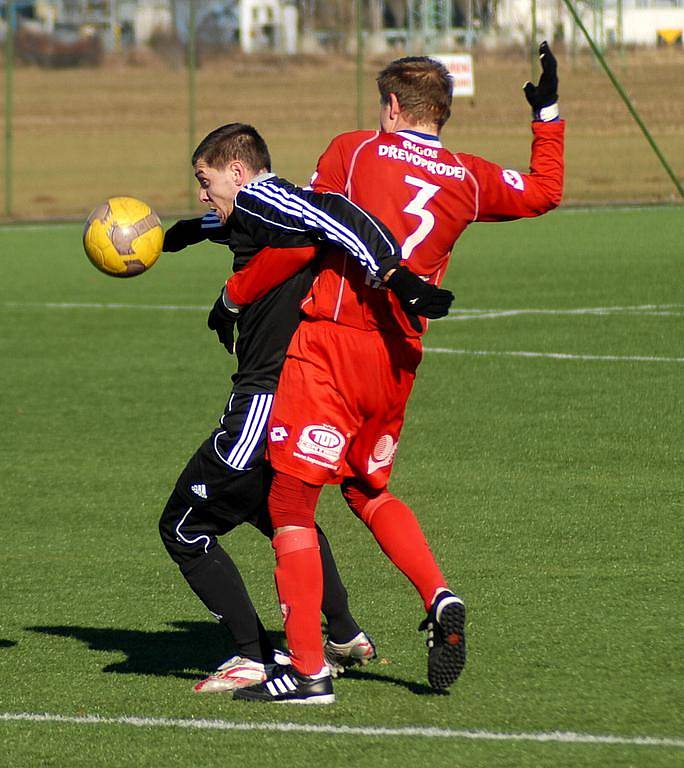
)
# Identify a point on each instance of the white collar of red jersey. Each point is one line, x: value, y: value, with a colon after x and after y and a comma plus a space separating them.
x: 428, y: 139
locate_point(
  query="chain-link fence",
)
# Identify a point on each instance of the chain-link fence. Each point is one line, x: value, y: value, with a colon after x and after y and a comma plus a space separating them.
x: 105, y: 97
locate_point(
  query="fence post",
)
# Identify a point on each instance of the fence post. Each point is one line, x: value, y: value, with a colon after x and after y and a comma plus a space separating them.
x: 534, y: 47
x: 192, y: 95
x: 621, y: 91
x: 359, y: 64
x: 9, y: 104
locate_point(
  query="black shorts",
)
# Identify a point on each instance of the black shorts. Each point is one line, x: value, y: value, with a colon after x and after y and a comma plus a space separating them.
x: 225, y: 483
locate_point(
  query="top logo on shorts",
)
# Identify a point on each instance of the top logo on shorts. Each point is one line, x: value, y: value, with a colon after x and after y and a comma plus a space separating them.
x: 323, y: 441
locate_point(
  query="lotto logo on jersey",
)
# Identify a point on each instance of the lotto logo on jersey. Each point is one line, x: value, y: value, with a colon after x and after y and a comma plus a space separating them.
x: 513, y: 179
x: 322, y: 441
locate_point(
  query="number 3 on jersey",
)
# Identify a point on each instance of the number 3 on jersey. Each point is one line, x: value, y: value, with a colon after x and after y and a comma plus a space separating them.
x: 416, y: 206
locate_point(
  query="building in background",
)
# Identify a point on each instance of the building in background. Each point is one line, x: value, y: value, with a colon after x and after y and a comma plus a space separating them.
x: 610, y: 22
x: 318, y: 26
x: 268, y: 25
x: 426, y: 25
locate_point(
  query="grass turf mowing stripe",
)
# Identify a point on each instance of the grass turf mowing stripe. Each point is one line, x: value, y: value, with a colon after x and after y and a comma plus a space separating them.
x: 471, y: 314
x: 560, y: 737
x: 569, y: 209
x: 437, y: 350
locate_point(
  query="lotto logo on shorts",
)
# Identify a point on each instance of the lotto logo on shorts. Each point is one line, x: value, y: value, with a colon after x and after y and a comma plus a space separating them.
x: 383, y: 453
x: 322, y: 441
x: 278, y: 434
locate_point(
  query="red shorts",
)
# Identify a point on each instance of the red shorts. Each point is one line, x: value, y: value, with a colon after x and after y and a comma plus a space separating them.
x: 340, y: 404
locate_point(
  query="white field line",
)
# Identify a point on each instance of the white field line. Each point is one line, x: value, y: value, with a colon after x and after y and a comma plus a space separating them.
x: 554, y: 355
x: 101, y: 305
x: 454, y: 314
x: 559, y: 737
x: 615, y: 208
x: 39, y: 226
x: 675, y: 310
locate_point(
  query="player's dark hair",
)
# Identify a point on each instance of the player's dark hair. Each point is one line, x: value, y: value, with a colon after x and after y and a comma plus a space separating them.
x: 423, y: 88
x: 235, y: 141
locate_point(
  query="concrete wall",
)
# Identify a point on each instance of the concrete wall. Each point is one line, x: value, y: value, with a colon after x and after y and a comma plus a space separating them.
x: 641, y: 24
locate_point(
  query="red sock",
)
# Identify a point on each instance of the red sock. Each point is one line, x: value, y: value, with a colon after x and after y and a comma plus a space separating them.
x: 399, y: 535
x: 299, y: 580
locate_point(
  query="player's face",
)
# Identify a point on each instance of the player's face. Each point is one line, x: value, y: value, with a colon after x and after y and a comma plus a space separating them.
x: 218, y: 187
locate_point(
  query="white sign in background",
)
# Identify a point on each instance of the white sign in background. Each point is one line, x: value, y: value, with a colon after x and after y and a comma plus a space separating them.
x: 460, y: 66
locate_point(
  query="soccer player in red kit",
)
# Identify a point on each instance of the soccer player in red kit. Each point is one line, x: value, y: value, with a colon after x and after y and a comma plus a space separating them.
x: 350, y: 367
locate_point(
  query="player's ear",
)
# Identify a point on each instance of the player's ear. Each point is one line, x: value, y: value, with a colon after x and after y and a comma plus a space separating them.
x: 239, y: 173
x: 395, y: 109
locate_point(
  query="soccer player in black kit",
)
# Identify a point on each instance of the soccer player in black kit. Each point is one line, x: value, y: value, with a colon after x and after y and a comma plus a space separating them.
x: 226, y: 481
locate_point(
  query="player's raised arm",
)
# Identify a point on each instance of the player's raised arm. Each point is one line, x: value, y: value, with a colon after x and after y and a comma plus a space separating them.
x: 543, y: 97
x: 504, y: 193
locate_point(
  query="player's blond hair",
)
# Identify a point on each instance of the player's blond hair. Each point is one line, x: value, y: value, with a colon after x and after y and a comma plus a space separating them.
x: 234, y: 141
x: 422, y: 86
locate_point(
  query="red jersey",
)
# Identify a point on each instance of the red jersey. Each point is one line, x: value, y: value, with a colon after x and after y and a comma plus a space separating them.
x: 426, y: 196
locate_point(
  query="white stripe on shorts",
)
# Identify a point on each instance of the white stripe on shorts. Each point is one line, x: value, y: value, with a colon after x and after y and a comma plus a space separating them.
x: 252, y: 431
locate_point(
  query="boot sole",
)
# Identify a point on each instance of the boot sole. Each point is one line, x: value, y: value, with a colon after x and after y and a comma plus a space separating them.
x: 446, y: 663
x: 328, y: 698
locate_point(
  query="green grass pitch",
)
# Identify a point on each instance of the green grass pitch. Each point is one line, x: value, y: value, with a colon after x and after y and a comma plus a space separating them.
x: 549, y: 485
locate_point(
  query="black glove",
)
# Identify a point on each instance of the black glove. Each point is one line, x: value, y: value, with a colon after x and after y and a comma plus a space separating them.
x: 543, y: 97
x: 222, y: 320
x: 182, y: 234
x: 418, y: 297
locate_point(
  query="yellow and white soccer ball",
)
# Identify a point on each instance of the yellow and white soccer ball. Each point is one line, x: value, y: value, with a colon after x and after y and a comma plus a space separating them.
x: 123, y: 237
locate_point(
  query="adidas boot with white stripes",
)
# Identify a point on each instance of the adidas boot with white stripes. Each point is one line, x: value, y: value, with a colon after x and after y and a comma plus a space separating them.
x: 284, y: 685
x: 445, y: 625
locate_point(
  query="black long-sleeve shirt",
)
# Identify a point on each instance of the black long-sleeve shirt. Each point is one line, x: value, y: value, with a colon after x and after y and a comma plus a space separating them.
x: 271, y: 211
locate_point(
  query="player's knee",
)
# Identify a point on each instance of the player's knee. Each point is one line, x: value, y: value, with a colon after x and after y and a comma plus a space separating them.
x: 181, y: 548
x: 291, y: 501
x: 363, y: 500
x: 167, y: 522
x: 294, y: 540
